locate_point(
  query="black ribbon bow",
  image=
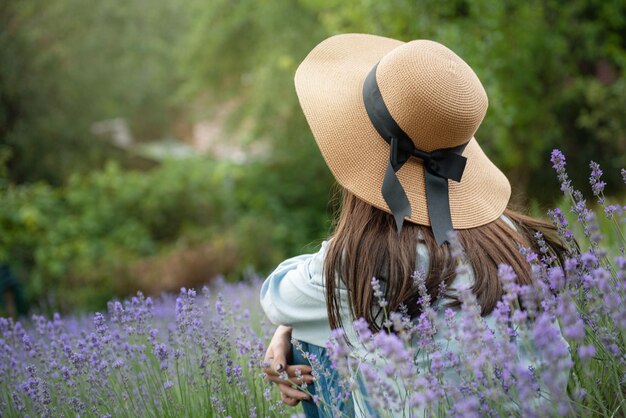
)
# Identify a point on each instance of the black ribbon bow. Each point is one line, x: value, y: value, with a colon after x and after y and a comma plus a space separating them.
x: 439, y: 166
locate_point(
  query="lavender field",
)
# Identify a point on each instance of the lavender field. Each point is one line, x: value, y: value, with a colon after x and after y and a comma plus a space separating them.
x: 191, y: 354
x: 201, y: 353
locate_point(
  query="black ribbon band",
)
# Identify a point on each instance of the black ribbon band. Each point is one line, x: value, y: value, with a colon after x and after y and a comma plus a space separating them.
x: 439, y: 166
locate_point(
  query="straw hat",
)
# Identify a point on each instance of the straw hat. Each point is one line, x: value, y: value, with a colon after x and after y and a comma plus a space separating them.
x: 432, y: 95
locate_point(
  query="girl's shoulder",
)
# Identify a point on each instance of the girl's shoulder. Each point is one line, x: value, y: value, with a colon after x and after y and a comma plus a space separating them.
x: 315, y: 266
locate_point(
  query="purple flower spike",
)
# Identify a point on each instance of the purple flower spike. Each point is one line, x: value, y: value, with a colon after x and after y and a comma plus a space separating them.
x: 558, y: 163
x: 100, y: 324
x: 560, y: 222
x: 558, y: 160
x: 589, y: 259
x: 378, y: 293
x: 558, y: 218
x: 597, y: 185
x: 585, y: 352
x: 573, y: 326
x: 610, y: 211
x: 363, y: 330
x: 556, y: 278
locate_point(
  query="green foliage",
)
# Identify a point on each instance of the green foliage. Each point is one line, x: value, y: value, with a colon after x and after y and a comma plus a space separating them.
x: 67, y: 64
x: 553, y: 70
x: 72, y: 246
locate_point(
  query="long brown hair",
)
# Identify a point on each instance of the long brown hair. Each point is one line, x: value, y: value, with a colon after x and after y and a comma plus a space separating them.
x: 365, y: 244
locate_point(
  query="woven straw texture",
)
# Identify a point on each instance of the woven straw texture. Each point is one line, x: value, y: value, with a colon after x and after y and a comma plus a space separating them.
x: 433, y: 95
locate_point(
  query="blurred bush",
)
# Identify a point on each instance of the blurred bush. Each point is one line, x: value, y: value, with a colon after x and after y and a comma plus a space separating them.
x: 94, y: 238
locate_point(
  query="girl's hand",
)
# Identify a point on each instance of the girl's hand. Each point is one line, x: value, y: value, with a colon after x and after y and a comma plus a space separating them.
x: 277, y: 355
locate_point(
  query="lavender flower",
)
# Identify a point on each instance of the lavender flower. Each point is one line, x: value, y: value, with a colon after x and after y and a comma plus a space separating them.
x: 363, y: 329
x: 558, y: 163
x: 378, y: 293
x: 585, y: 352
x: 560, y: 222
x: 573, y: 326
x: 99, y: 323
x: 597, y: 185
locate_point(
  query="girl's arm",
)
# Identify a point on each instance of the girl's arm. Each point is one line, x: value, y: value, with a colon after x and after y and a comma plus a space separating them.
x: 277, y: 358
x: 293, y: 294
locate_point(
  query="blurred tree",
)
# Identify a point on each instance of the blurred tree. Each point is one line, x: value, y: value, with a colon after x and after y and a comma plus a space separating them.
x: 553, y: 70
x: 248, y: 51
x: 67, y: 64
x: 539, y: 60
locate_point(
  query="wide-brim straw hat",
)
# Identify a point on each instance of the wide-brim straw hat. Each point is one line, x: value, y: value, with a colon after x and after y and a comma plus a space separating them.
x: 432, y: 94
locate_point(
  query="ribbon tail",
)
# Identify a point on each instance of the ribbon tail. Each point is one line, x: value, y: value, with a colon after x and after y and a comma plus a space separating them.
x: 438, y: 206
x: 395, y: 197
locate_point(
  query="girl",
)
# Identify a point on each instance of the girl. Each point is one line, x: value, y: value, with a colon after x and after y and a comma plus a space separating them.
x: 395, y: 123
